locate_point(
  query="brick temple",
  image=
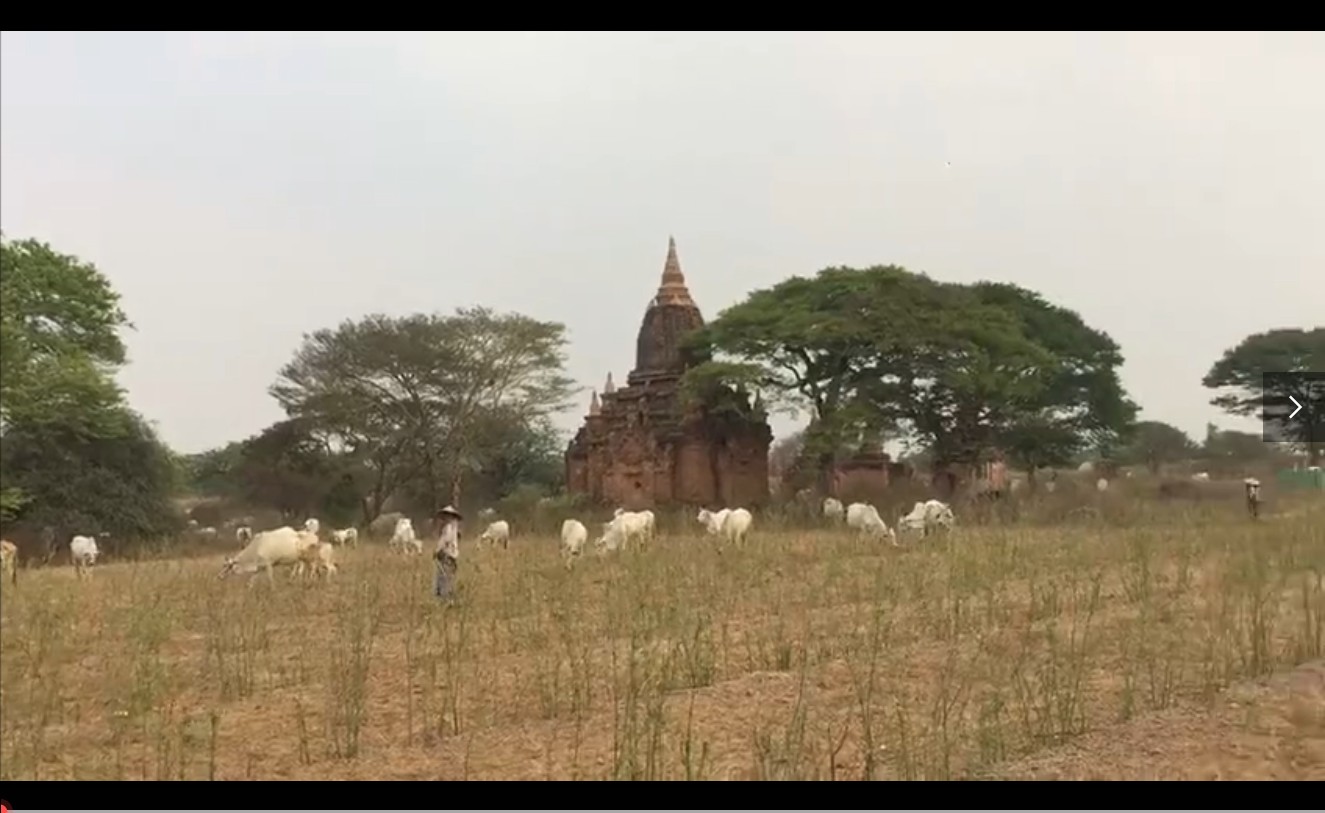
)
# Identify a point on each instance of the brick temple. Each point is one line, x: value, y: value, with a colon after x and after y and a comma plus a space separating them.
x: 640, y: 447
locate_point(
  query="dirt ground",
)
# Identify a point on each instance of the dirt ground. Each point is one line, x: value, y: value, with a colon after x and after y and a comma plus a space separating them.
x: 1267, y: 729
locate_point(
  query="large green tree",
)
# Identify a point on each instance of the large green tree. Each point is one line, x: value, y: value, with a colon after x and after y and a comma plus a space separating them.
x: 813, y: 344
x: 1237, y: 375
x: 413, y: 397
x: 118, y: 479
x: 75, y: 457
x: 1074, y: 399
x: 962, y: 369
x: 290, y: 467
x: 1155, y: 443
x: 59, y: 339
x: 1231, y: 449
x: 213, y: 473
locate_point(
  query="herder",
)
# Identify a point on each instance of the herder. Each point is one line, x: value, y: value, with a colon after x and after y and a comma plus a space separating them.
x: 448, y: 551
x: 1253, y: 487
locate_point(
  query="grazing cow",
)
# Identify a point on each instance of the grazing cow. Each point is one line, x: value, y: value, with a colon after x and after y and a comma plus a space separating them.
x: 833, y: 509
x: 308, y: 552
x: 865, y: 519
x: 927, y: 517
x: 83, y: 552
x: 712, y: 520
x: 499, y: 531
x: 573, y: 537
x: 316, y: 559
x: 737, y: 525
x: 346, y: 536
x: 642, y: 524
x: 624, y: 527
x: 732, y: 524
x: 404, y: 539
x: 279, y: 547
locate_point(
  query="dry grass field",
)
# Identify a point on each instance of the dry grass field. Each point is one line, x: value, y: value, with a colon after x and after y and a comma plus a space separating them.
x: 1001, y: 650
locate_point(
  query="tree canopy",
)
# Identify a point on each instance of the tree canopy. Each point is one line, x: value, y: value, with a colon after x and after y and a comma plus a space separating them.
x: 75, y: 457
x: 418, y: 397
x: 1155, y: 443
x: 59, y: 340
x: 964, y: 369
x: 1237, y: 375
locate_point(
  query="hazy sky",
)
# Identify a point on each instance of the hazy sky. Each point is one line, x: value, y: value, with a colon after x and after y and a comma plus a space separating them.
x: 242, y: 189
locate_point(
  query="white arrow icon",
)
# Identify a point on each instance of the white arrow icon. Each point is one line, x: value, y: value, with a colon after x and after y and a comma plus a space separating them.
x: 1293, y: 414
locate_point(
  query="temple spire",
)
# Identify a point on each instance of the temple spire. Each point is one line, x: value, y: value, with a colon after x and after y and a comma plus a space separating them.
x: 673, y: 290
x: 594, y: 406
x: 609, y: 387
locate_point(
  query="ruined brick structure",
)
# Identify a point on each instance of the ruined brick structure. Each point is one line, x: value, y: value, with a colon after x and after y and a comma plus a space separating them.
x: 640, y: 447
x: 865, y: 474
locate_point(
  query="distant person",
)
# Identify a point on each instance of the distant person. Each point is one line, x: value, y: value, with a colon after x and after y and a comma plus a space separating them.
x: 448, y: 551
x: 1253, y: 487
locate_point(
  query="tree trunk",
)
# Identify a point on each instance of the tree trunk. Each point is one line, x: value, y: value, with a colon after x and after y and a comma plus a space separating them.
x: 827, y: 470
x: 457, y: 480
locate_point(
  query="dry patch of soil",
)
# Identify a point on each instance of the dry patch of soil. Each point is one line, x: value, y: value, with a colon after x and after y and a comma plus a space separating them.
x: 1268, y: 729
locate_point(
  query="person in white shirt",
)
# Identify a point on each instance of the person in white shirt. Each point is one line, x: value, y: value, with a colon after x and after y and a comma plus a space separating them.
x: 448, y: 551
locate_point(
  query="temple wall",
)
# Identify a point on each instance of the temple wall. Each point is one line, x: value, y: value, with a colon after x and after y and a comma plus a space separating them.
x: 743, y: 467
x: 577, y: 475
x: 694, y: 480
x: 862, y: 482
x: 628, y: 471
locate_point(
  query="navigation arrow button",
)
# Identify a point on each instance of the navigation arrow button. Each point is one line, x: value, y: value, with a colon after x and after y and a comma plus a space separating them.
x: 1293, y: 414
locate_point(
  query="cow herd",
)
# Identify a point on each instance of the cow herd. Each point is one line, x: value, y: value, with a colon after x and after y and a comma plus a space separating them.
x: 306, y: 554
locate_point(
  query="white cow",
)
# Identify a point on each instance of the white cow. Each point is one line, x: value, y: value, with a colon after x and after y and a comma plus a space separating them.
x: 312, y: 525
x: 712, y: 520
x: 833, y: 509
x: 624, y: 527
x: 927, y: 517
x: 243, y: 534
x: 346, y: 536
x: 650, y: 521
x: 499, y: 531
x: 650, y: 524
x: 612, y: 539
x: 278, y: 547
x: 865, y: 520
x: 83, y: 553
x: 737, y: 525
x: 732, y: 524
x: 573, y: 537
x: 404, y: 539
x: 316, y: 559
